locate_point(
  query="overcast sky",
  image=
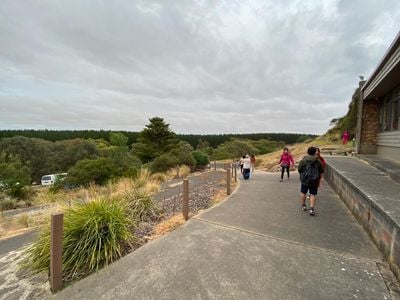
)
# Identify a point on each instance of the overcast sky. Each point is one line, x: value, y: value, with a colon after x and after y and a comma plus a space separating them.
x: 205, y: 66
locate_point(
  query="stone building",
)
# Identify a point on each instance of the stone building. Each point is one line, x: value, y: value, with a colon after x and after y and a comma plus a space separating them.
x: 378, y: 129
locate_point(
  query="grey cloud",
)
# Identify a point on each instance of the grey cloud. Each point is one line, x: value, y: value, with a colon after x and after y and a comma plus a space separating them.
x: 283, y: 66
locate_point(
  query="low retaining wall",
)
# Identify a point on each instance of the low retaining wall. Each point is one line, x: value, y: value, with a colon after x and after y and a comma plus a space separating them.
x: 382, y: 229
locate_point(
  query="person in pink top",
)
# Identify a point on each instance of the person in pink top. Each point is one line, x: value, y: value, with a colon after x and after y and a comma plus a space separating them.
x: 345, y: 137
x: 286, y: 162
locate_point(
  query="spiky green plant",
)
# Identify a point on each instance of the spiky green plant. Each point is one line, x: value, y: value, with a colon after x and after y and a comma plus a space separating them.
x: 141, y: 206
x: 95, y: 234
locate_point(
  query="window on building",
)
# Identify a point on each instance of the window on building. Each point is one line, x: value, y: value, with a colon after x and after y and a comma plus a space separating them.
x: 389, y: 115
x: 395, y: 122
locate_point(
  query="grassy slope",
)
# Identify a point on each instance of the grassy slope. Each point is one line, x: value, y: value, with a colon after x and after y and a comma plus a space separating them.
x: 269, y: 162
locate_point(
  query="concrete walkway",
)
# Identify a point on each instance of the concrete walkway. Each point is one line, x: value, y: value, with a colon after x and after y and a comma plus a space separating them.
x: 257, y: 244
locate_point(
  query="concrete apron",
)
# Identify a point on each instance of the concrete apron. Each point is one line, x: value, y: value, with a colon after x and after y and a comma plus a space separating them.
x: 256, y: 245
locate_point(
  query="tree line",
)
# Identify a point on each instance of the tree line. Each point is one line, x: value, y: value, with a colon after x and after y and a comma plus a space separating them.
x: 98, y: 156
x: 214, y: 140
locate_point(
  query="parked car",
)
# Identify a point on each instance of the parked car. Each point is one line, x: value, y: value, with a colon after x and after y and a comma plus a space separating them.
x: 50, y: 179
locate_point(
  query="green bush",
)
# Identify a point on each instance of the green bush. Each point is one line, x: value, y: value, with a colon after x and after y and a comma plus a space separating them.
x: 234, y: 148
x: 95, y: 234
x: 58, y: 184
x: 182, y: 152
x: 141, y: 206
x: 201, y: 158
x: 163, y: 163
x: 14, y: 177
x: 98, y: 170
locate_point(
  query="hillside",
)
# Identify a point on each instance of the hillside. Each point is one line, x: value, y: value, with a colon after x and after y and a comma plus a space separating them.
x: 269, y: 162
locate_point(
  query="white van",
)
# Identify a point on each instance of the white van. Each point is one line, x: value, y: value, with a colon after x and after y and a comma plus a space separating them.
x: 51, y: 178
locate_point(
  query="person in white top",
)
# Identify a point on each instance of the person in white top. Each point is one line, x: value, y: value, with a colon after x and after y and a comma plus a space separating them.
x: 241, y: 164
x: 246, y: 167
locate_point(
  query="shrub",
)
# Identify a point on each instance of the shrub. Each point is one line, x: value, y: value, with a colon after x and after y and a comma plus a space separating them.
x: 95, y: 234
x: 234, y: 148
x: 98, y: 170
x: 184, y: 171
x: 183, y: 154
x: 58, y: 185
x: 47, y: 196
x: 178, y: 172
x: 164, y: 163
x: 142, y: 178
x: 173, y: 173
x: 14, y: 177
x: 8, y: 203
x: 200, y: 157
x: 24, y: 203
x: 151, y: 187
x: 159, y: 177
x: 24, y: 220
x: 141, y: 206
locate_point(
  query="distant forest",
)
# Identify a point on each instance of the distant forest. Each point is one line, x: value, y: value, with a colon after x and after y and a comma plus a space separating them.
x: 214, y: 140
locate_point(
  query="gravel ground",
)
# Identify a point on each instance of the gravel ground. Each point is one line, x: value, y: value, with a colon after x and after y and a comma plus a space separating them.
x: 17, y: 284
x: 200, y: 197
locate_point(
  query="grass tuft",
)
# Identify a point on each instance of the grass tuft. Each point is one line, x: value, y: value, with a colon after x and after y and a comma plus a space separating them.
x: 95, y: 234
x: 24, y: 220
x: 159, y: 177
x: 140, y: 205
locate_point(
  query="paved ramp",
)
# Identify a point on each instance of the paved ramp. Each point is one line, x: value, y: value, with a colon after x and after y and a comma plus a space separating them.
x: 256, y: 245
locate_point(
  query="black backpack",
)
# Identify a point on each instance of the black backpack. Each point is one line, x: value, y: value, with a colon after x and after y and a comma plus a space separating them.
x: 310, y: 174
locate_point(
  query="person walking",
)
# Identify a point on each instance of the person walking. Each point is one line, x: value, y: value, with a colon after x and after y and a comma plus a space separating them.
x: 253, y: 162
x: 286, y: 162
x: 310, y: 169
x: 241, y: 163
x: 246, y: 167
x: 323, y: 163
x: 345, y: 137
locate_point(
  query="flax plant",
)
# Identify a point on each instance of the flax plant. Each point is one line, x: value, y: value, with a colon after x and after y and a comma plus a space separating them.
x: 95, y: 234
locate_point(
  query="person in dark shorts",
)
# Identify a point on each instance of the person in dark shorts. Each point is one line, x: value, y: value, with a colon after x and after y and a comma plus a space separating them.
x: 323, y: 163
x: 286, y: 161
x: 310, y: 169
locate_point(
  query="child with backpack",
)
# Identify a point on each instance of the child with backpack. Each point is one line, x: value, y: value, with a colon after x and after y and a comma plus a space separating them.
x: 285, y: 162
x: 310, y: 169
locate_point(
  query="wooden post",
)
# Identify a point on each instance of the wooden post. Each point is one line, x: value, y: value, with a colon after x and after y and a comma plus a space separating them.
x: 228, y: 181
x: 215, y: 165
x: 232, y: 167
x: 185, y: 204
x: 56, y: 278
x: 235, y: 174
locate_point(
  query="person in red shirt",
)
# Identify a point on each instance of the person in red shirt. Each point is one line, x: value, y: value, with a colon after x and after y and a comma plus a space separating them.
x: 286, y: 162
x: 345, y: 137
x: 253, y: 162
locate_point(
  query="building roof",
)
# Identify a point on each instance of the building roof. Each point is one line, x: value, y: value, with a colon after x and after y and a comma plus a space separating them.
x: 386, y: 76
